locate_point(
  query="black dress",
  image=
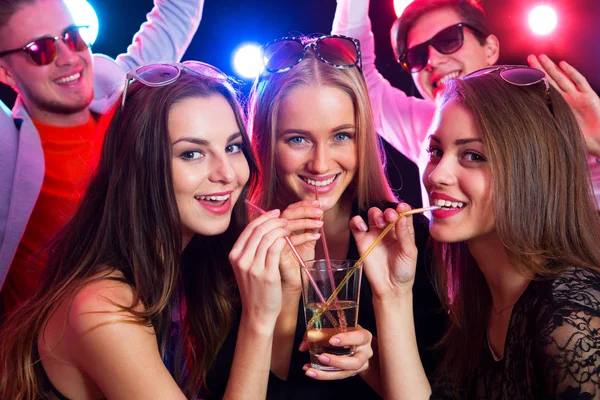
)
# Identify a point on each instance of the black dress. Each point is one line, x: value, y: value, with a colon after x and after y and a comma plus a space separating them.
x: 552, y: 348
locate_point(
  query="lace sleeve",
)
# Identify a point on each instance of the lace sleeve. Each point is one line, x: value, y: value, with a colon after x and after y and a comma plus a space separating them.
x: 570, y: 349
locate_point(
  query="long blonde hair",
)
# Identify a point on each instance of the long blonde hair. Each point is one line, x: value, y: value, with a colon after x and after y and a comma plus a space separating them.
x: 543, y: 205
x: 371, y: 185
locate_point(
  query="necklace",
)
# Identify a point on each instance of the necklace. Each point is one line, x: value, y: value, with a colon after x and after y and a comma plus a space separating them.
x: 504, y: 309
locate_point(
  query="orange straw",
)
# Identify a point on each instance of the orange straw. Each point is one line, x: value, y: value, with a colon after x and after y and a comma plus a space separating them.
x: 362, y: 258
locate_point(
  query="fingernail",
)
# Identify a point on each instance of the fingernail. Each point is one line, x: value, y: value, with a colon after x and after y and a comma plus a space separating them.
x: 317, y: 211
x: 363, y: 227
x: 274, y: 212
x: 324, y: 359
x: 391, y: 215
x: 314, y: 203
x: 304, y: 367
x: 403, y: 223
x: 315, y: 236
x: 335, y: 341
x: 380, y: 221
x: 312, y: 374
x: 318, y: 223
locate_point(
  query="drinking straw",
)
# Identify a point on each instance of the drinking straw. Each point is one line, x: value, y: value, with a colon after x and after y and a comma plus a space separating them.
x: 326, y: 251
x: 362, y: 258
x: 341, y: 315
x: 305, y: 269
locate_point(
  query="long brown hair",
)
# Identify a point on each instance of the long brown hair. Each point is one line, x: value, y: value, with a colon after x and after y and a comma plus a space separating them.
x: 128, y: 222
x: 543, y: 206
x: 269, y: 90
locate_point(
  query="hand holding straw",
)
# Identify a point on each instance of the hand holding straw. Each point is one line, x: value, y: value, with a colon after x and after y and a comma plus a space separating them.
x: 362, y: 258
x: 305, y: 269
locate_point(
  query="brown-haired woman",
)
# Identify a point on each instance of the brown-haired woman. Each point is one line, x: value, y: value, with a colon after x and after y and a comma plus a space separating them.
x: 174, y: 171
x: 517, y: 256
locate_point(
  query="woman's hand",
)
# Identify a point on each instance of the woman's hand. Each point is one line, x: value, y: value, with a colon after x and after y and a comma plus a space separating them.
x: 255, y: 259
x: 304, y: 221
x: 349, y: 365
x: 391, y: 266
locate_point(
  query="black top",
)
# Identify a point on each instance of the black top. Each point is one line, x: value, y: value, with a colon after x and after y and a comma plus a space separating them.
x: 552, y: 347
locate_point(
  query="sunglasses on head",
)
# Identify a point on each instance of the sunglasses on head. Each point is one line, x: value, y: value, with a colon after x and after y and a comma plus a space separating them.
x: 446, y: 41
x: 283, y: 54
x: 518, y: 75
x: 162, y: 74
x: 43, y: 50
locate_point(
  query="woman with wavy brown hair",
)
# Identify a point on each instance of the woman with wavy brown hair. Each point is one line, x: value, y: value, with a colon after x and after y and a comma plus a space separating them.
x: 140, y: 281
x: 517, y: 255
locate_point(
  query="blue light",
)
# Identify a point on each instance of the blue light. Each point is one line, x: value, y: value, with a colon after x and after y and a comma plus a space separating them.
x: 83, y: 14
x: 247, y: 61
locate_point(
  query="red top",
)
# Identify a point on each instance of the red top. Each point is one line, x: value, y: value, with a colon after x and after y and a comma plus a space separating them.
x: 71, y: 155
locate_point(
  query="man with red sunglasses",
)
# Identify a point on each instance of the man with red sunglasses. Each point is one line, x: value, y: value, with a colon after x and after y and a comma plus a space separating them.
x: 436, y: 41
x: 50, y: 143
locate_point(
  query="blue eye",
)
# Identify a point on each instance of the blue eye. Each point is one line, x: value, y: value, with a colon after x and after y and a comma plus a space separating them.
x: 191, y: 155
x: 342, y: 136
x: 296, y: 140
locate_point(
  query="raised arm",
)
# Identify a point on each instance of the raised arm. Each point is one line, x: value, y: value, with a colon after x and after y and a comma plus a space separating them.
x: 166, y: 35
x: 401, y: 120
x: 578, y: 93
x: 391, y: 269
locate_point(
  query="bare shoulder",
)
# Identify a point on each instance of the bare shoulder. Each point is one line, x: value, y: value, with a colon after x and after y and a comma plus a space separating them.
x: 101, y: 302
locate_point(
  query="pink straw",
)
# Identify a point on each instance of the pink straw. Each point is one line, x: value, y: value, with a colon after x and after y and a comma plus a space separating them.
x: 326, y: 251
x: 341, y: 315
x: 296, y: 255
x: 304, y: 268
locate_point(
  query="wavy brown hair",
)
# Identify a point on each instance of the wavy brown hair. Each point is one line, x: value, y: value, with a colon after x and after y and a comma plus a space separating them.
x: 370, y: 184
x: 128, y: 223
x: 544, y: 209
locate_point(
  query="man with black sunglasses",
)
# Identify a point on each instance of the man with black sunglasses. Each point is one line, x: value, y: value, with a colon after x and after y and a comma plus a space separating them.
x: 441, y: 40
x: 50, y: 142
x: 435, y: 41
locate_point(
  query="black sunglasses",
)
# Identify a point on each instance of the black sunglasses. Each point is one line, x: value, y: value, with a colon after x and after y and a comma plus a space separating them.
x: 43, y: 50
x: 283, y: 54
x: 518, y: 75
x: 446, y: 41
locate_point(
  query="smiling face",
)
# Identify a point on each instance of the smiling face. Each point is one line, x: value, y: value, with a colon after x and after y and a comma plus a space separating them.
x: 458, y: 177
x: 209, y: 166
x: 315, y: 144
x: 441, y: 67
x: 61, y: 88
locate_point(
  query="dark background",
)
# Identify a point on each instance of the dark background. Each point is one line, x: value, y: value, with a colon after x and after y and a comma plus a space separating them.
x: 228, y: 23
